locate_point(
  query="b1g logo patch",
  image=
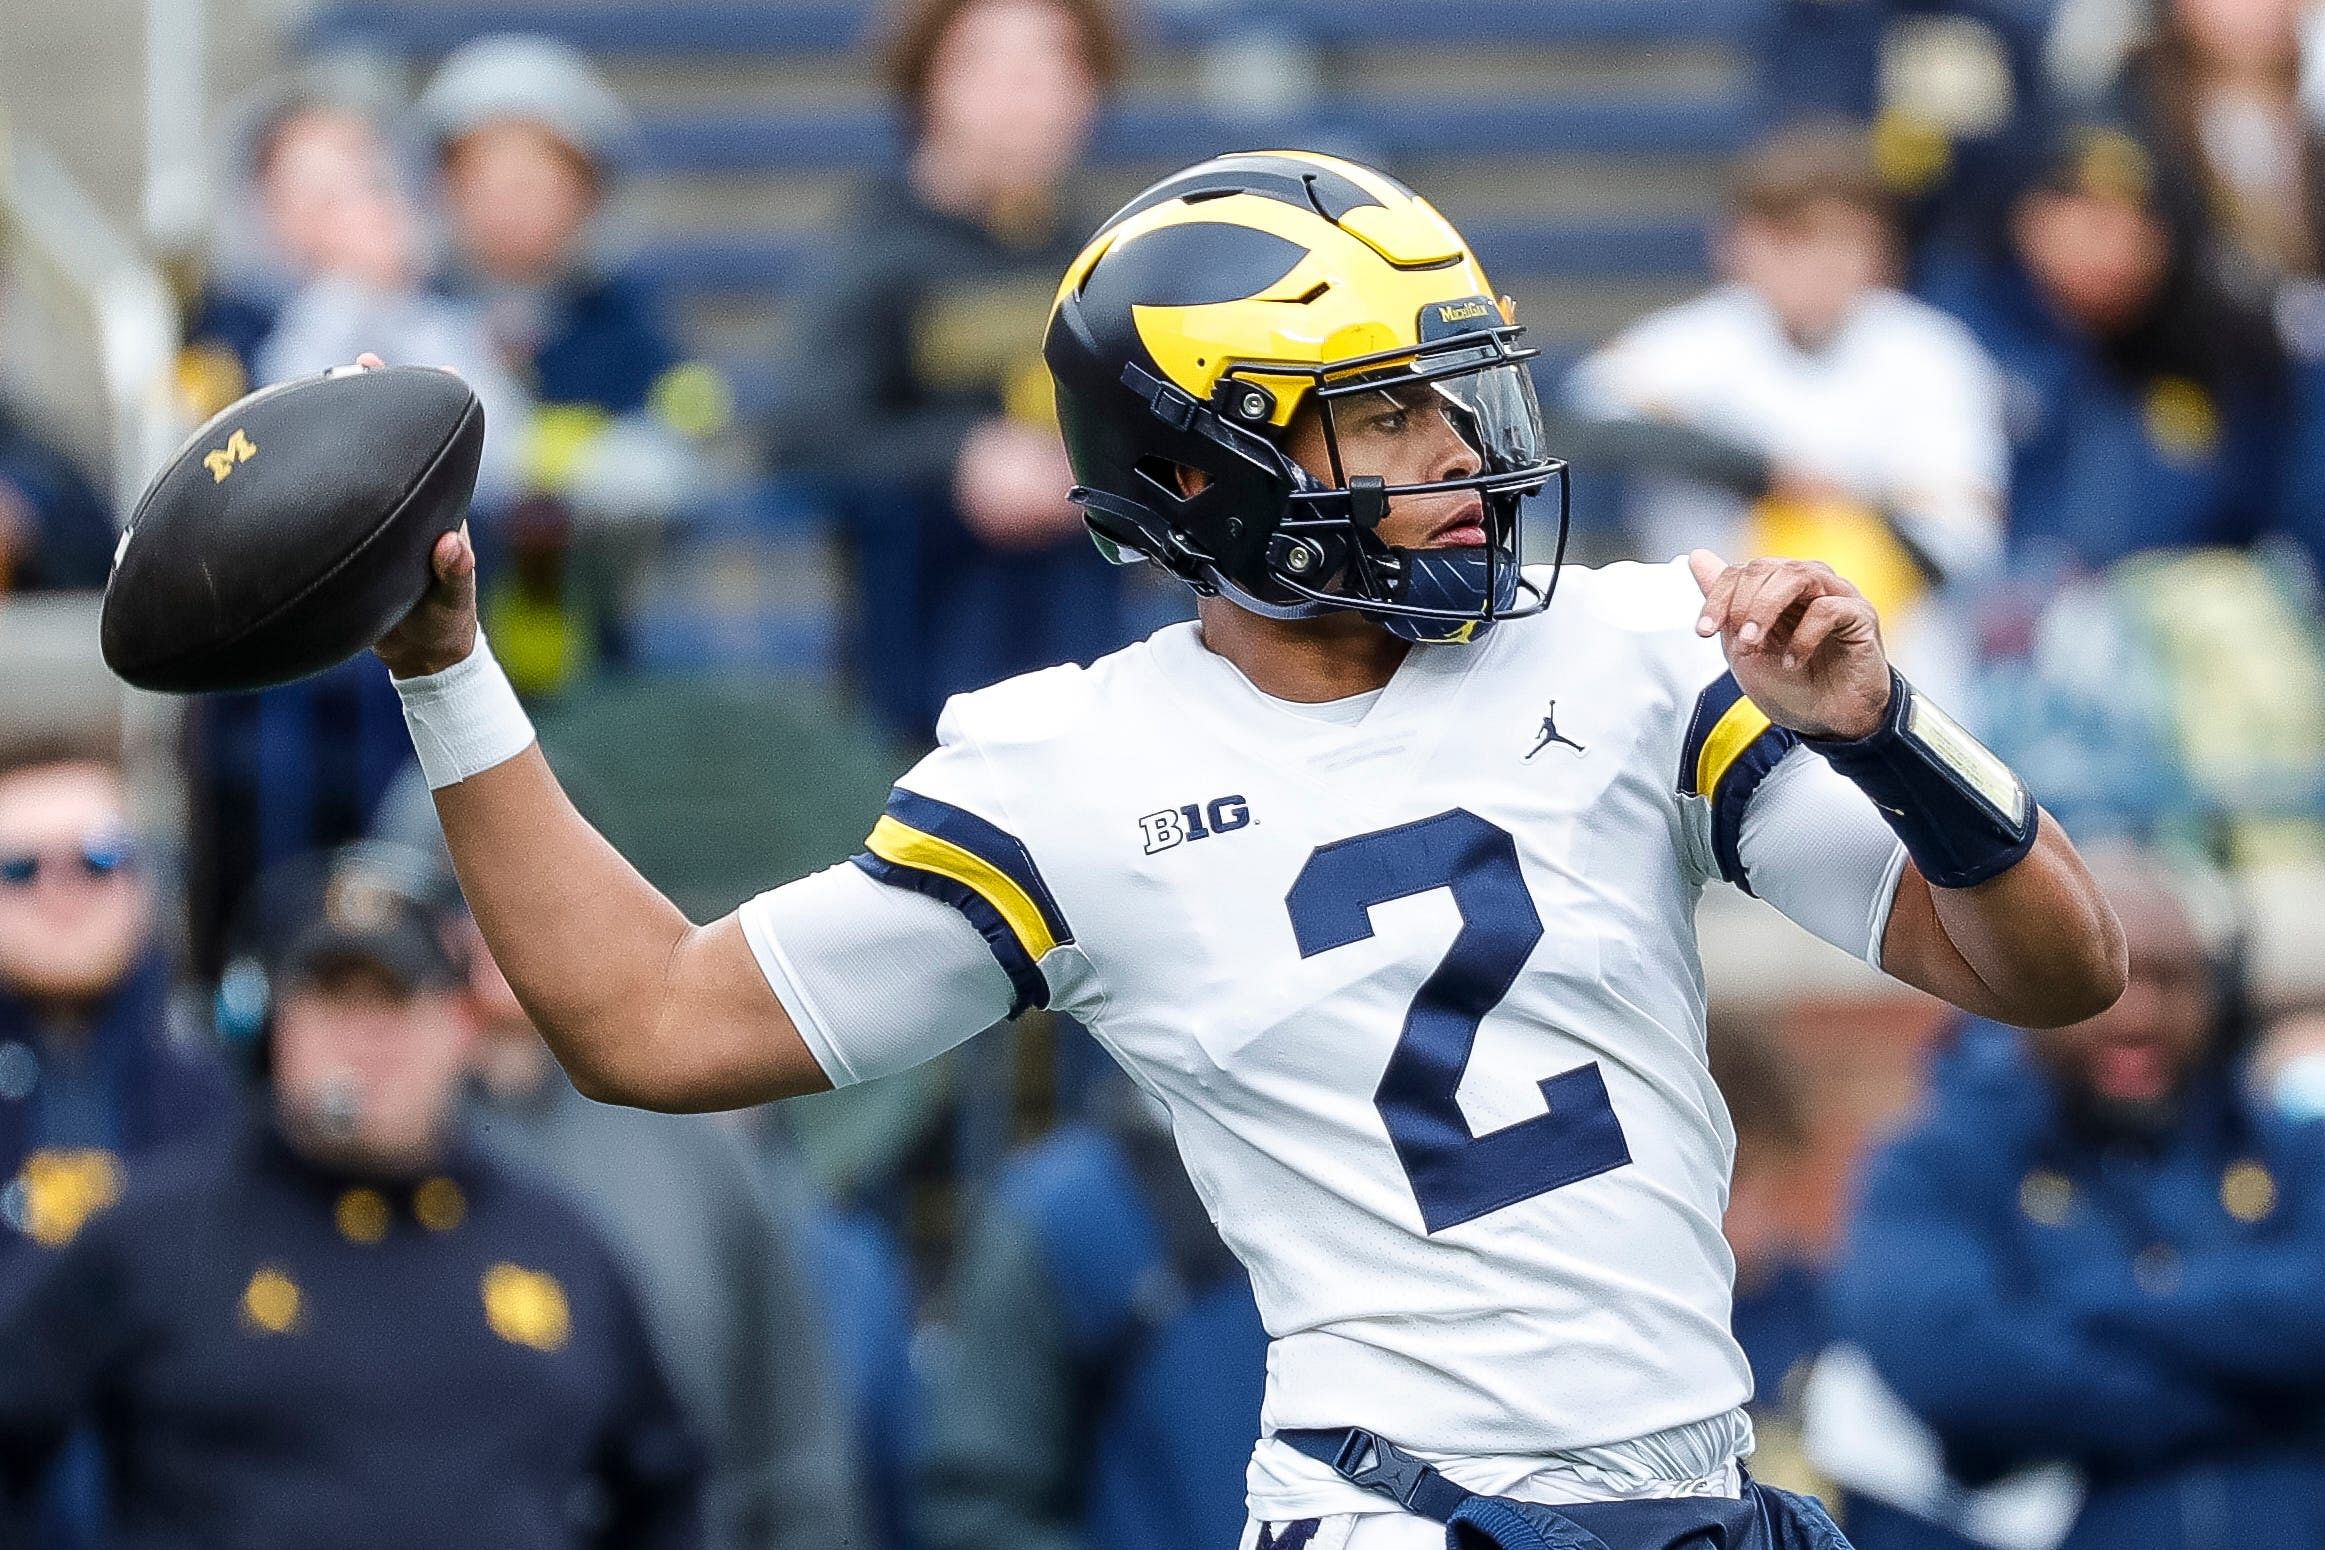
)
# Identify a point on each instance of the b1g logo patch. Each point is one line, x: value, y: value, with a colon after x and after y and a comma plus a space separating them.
x: 1175, y: 826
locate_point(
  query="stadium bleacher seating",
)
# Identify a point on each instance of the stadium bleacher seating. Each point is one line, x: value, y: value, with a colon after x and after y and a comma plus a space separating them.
x: 1579, y: 142
x: 1586, y: 176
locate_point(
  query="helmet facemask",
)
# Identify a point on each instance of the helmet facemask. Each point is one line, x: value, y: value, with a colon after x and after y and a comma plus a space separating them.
x: 1327, y: 553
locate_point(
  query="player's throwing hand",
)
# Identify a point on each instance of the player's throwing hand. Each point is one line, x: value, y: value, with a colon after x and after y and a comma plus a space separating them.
x: 1803, y: 643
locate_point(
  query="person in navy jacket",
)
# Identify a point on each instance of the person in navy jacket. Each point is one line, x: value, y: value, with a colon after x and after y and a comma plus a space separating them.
x: 2145, y: 397
x: 2100, y: 1247
x: 344, y: 1324
x: 94, y: 1066
x: 1104, y: 1357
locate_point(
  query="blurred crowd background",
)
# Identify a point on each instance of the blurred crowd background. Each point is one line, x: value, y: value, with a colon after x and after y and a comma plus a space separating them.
x: 2013, y: 310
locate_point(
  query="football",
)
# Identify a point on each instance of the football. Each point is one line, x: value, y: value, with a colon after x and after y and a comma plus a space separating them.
x: 291, y: 531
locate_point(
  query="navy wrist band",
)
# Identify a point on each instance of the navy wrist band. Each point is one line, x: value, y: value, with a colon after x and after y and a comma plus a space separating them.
x: 1962, y: 813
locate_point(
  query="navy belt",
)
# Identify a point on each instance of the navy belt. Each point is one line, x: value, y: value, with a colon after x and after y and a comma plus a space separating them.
x: 1361, y: 1458
x: 1365, y: 1459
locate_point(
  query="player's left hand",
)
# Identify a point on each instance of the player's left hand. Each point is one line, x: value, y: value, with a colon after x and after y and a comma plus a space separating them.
x: 1803, y: 643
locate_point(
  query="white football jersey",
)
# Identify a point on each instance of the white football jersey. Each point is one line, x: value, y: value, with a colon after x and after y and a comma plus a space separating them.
x: 1419, y: 989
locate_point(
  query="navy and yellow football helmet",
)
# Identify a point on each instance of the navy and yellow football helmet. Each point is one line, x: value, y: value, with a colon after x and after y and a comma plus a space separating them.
x: 1224, y: 301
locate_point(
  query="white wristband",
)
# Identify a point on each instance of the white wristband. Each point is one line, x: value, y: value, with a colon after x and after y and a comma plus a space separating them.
x: 465, y: 719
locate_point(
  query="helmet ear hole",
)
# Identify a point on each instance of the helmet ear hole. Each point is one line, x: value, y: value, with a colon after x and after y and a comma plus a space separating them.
x: 1174, y: 481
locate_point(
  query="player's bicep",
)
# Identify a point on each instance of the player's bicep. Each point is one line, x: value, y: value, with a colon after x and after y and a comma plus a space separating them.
x: 1816, y: 847
x: 872, y: 978
x: 1770, y: 817
x: 730, y: 1042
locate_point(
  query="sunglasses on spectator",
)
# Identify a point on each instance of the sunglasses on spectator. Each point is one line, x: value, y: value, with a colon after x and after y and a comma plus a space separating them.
x: 97, y: 858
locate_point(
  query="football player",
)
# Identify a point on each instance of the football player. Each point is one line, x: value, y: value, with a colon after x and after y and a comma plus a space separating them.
x: 1418, y: 986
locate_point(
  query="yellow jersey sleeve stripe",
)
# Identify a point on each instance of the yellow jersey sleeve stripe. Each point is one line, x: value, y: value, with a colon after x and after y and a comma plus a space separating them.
x: 1730, y: 747
x: 1738, y: 728
x: 900, y: 844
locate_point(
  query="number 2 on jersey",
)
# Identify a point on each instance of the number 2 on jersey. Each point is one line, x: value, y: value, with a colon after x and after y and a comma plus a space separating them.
x: 1457, y: 1176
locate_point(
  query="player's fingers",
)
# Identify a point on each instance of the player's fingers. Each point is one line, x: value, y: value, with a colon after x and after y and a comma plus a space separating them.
x: 1763, y: 620
x: 1823, y: 618
x: 1743, y: 600
x: 369, y: 361
x: 1718, y: 598
x: 453, y: 556
x: 1831, y: 581
x: 1706, y: 567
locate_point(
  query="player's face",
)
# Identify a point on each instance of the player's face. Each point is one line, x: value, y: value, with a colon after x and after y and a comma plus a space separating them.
x: 1403, y: 434
x: 366, y: 1067
x: 75, y: 909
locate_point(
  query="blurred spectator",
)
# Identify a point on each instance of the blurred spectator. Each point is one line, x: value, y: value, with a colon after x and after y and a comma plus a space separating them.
x: 1104, y: 1363
x: 295, y: 167
x: 2182, y: 688
x: 304, y: 766
x: 1952, y: 90
x: 914, y: 380
x: 2097, y: 1248
x: 365, y: 291
x: 2215, y: 94
x: 274, y: 774
x: 530, y: 144
x: 1828, y: 56
x: 93, y: 1067
x: 1806, y: 407
x: 346, y: 1325
x: 2288, y: 1065
x: 2144, y: 400
x: 56, y: 531
x: 724, y: 1280
x: 1779, y: 1312
x: 321, y: 254
x: 867, y: 1303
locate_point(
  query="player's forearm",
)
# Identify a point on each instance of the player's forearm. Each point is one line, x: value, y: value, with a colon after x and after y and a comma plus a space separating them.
x: 586, y: 942
x: 2036, y: 946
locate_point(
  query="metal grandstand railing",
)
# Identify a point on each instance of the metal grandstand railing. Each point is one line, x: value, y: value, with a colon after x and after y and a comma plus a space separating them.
x: 56, y: 230
x: 54, y: 234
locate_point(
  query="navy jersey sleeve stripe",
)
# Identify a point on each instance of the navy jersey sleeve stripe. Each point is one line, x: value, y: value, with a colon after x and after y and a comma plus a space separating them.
x: 950, y: 854
x: 995, y: 846
x: 1734, y: 798
x: 1025, y: 978
x: 1730, y: 747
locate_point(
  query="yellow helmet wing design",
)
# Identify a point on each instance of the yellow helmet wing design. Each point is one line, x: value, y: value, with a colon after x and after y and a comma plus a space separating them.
x: 1356, y: 285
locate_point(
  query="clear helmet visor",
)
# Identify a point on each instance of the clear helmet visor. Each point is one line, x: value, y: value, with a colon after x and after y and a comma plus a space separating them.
x: 1496, y: 411
x: 1443, y: 418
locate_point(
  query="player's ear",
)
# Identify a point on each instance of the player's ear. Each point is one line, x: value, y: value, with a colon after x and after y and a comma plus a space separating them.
x: 1191, y: 481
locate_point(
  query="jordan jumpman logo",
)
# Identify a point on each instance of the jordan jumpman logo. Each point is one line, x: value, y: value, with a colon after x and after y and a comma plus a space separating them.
x: 1551, y: 734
